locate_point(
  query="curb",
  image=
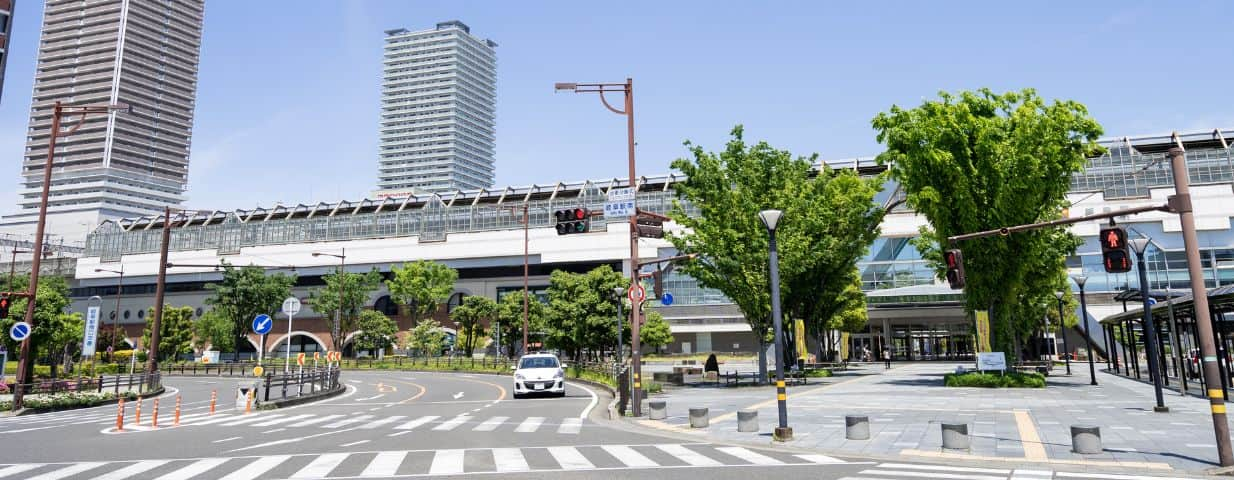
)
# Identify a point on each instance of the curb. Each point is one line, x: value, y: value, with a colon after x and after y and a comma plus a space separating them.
x: 290, y: 402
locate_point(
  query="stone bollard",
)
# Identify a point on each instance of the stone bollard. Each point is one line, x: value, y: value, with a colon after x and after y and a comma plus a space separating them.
x: 955, y: 436
x: 698, y: 418
x: 856, y: 427
x: 658, y: 410
x: 1086, y: 439
x: 747, y: 421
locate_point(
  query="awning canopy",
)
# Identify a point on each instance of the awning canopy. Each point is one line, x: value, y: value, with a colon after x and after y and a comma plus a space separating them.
x: 1220, y: 300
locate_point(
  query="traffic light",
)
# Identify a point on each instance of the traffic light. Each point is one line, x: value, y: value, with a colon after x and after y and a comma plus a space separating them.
x: 657, y: 283
x: 1115, y: 255
x: 573, y: 220
x: 650, y: 227
x: 955, y: 268
x: 5, y: 302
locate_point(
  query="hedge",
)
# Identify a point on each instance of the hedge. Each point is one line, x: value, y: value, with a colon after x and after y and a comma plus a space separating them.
x: 991, y: 380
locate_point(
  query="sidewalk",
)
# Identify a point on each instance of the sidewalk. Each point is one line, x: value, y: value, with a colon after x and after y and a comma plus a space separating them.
x: 906, y: 404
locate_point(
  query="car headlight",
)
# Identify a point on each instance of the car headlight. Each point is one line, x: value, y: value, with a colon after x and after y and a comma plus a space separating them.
x: 559, y: 374
x: 518, y: 376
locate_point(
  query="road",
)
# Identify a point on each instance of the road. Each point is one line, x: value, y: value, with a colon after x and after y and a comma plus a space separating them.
x: 402, y: 425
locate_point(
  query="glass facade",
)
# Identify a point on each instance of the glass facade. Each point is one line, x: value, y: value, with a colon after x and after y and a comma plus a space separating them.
x: 1124, y: 173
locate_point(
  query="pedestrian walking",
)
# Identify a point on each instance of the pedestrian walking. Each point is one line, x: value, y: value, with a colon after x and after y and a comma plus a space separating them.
x: 887, y: 358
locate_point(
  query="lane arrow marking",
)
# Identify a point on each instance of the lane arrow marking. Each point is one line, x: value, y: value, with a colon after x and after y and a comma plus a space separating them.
x: 458, y: 395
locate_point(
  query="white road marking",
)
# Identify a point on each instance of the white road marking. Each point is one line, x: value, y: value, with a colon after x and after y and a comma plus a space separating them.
x: 820, y: 459
x: 570, y: 458
x: 68, y: 471
x: 509, y: 460
x: 383, y: 421
x: 417, y: 422
x: 251, y: 419
x: 570, y: 425
x: 594, y: 400
x: 321, y: 466
x: 395, y: 434
x: 749, y: 456
x: 374, y: 397
x: 942, y: 468
x: 1108, y: 476
x: 257, y: 468
x: 689, y: 456
x: 222, y: 417
x: 352, y: 444
x: 226, y: 439
x: 282, y: 420
x: 348, y: 421
x: 629, y: 456
x: 273, y: 431
x: 447, y: 462
x: 316, y: 420
x: 452, y: 423
x: 385, y: 464
x: 458, y: 395
x: 132, y: 470
x: 490, y: 424
x: 193, y: 469
x: 933, y: 475
x: 16, y: 469
x: 530, y: 425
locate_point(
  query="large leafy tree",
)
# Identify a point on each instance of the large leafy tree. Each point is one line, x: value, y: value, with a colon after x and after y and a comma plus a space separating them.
x: 244, y: 293
x: 376, y: 331
x: 655, y: 332
x: 509, y: 318
x: 55, y: 329
x: 846, y: 313
x: 175, y: 331
x: 213, y: 330
x: 356, y: 288
x: 427, y: 337
x: 582, y: 313
x: 982, y: 160
x: 829, y: 221
x: 423, y: 285
x: 470, y: 318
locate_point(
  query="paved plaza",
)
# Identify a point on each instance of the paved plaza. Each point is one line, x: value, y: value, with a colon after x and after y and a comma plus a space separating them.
x: 907, y: 404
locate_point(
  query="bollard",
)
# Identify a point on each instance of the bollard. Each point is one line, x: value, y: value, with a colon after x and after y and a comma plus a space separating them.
x: 248, y: 403
x: 955, y: 436
x: 747, y: 421
x: 856, y: 427
x: 137, y: 413
x: 120, y: 416
x: 1086, y: 439
x: 698, y: 418
x: 657, y: 410
x: 154, y: 420
x: 176, y: 423
x: 214, y: 396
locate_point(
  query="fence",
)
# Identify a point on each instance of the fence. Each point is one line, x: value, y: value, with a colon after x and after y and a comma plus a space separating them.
x: 144, y: 383
x: 217, y: 369
x: 293, y: 384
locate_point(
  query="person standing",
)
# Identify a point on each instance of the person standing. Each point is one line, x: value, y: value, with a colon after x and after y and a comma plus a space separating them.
x: 887, y: 358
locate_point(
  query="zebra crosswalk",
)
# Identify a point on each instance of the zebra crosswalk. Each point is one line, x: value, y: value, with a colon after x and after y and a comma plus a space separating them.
x: 564, y: 426
x: 913, y: 471
x: 416, y: 463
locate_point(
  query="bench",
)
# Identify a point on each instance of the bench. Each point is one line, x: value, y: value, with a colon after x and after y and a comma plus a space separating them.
x: 1038, y: 367
x: 733, y: 379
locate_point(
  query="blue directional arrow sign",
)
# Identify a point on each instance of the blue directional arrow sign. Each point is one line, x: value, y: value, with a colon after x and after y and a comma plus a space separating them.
x: 19, y: 331
x: 666, y: 298
x: 262, y: 324
x: 1152, y: 301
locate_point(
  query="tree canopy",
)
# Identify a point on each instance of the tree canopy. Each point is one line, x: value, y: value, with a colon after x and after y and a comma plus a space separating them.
x: 982, y: 160
x: 423, y: 285
x: 582, y: 313
x: 54, y: 327
x: 427, y: 337
x: 175, y: 331
x: 375, y: 331
x: 244, y: 293
x: 509, y: 318
x: 655, y: 331
x: 356, y: 288
x: 213, y: 330
x: 470, y: 318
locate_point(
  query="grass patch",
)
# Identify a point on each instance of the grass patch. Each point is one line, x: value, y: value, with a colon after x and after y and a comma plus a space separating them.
x: 993, y: 380
x: 818, y: 373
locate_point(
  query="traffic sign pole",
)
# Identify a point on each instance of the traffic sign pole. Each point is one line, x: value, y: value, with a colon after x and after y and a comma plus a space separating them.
x: 291, y: 306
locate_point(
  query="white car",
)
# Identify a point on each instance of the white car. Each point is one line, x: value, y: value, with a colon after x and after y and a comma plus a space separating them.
x: 539, y: 373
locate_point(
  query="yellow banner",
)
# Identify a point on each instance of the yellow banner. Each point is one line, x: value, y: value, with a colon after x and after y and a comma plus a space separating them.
x: 799, y: 327
x: 844, y: 336
x: 983, y: 331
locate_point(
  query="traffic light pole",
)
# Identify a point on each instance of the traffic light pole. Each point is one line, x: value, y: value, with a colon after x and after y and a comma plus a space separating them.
x: 1170, y: 207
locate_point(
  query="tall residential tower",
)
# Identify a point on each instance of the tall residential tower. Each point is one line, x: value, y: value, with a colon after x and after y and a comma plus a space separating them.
x: 438, y: 110
x: 143, y: 53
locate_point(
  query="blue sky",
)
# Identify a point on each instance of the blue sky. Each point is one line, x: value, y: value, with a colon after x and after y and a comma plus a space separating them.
x: 288, y: 93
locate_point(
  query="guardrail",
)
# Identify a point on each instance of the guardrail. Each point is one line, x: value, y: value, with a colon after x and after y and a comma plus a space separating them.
x: 144, y: 382
x: 291, y: 385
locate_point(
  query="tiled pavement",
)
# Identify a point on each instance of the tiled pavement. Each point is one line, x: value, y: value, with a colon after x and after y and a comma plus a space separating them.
x: 907, y: 403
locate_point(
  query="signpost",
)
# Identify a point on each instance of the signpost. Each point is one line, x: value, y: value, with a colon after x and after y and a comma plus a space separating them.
x: 90, y: 338
x: 637, y: 294
x: 261, y: 326
x: 991, y: 361
x: 19, y: 331
x: 666, y: 299
x: 619, y: 204
x: 291, y: 306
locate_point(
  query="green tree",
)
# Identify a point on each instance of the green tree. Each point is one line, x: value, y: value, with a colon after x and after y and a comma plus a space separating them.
x: 847, y: 313
x: 175, y: 331
x: 582, y: 312
x: 213, y: 330
x: 427, y: 337
x: 470, y: 318
x: 829, y: 220
x: 509, y: 318
x: 423, y: 285
x: 244, y: 293
x: 356, y: 289
x: 655, y: 332
x: 55, y: 330
x: 375, y: 331
x: 979, y: 161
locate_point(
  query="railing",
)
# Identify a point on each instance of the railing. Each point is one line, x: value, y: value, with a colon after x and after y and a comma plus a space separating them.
x: 142, y: 381
x: 218, y: 369
x: 283, y: 386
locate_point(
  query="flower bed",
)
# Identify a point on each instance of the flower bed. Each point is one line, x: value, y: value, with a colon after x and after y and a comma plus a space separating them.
x: 993, y: 380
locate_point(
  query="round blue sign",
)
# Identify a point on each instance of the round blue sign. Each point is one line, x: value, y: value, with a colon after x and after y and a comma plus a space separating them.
x: 666, y: 298
x: 1152, y: 301
x: 19, y: 331
x: 262, y: 324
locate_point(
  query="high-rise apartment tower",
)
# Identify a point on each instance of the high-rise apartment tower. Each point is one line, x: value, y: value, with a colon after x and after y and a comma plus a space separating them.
x: 143, y: 53
x: 438, y: 111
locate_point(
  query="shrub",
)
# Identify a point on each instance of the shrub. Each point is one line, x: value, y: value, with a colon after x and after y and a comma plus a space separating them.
x: 122, y: 356
x: 992, y: 380
x: 818, y: 373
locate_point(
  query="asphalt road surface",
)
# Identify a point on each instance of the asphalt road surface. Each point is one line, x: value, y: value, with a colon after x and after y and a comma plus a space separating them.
x: 403, y: 425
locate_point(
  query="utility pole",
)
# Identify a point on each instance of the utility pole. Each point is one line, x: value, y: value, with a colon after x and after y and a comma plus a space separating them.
x: 160, y: 288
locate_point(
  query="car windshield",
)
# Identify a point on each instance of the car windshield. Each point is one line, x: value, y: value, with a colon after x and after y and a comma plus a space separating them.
x: 538, y: 362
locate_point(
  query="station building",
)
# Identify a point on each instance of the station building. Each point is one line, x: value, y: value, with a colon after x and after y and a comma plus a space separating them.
x: 479, y: 233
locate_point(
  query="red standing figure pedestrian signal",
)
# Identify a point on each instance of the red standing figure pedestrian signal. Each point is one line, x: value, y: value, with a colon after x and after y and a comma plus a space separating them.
x: 955, y: 268
x: 1115, y: 256
x: 5, y: 303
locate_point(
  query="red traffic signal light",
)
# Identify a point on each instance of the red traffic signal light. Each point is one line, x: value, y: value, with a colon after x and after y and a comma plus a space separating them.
x: 1115, y: 255
x: 574, y: 220
x: 5, y: 303
x: 955, y: 268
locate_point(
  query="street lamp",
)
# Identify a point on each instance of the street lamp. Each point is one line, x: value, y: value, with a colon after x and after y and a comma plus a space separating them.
x: 26, y: 363
x: 770, y: 219
x: 627, y: 89
x: 115, y: 320
x: 1088, y: 341
x: 1140, y: 245
x: 1062, y: 328
x: 338, y: 313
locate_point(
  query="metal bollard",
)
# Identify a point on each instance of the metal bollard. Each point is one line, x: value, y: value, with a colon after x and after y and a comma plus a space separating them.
x: 747, y: 421
x: 120, y: 416
x: 214, y: 396
x: 856, y: 427
x: 657, y: 410
x: 1086, y: 439
x: 955, y: 436
x: 699, y: 418
x: 154, y: 420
